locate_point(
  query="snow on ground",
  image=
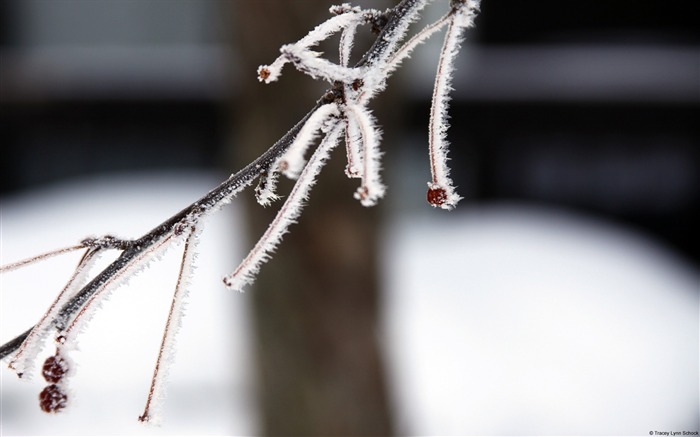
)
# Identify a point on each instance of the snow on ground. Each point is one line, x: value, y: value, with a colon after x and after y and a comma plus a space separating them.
x: 498, y: 320
x: 509, y: 320
x: 210, y: 385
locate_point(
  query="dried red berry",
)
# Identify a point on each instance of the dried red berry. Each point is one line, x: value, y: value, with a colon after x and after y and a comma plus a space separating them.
x: 52, y: 399
x: 54, y: 368
x: 362, y: 192
x: 264, y: 73
x: 437, y: 196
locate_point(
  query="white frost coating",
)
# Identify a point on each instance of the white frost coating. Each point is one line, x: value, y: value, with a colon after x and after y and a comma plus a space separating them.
x: 212, y: 206
x: 270, y: 73
x: 166, y: 355
x: 380, y: 68
x: 353, y: 149
x: 247, y: 270
x: 393, y: 39
x: 437, y: 144
x: 348, y: 110
x: 352, y: 134
x: 405, y: 51
x: 94, y: 302
x: 467, y: 13
x: 329, y: 27
x: 265, y: 192
x: 292, y: 162
x: 311, y: 63
x: 347, y: 39
x: 23, y: 360
x: 372, y: 188
x: 15, y: 265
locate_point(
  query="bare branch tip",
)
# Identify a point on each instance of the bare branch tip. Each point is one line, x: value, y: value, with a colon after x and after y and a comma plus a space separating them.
x: 442, y: 197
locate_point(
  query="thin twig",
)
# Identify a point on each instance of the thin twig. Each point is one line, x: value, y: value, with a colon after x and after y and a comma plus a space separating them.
x: 27, y: 352
x: 398, y: 20
x: 37, y: 258
x: 214, y: 198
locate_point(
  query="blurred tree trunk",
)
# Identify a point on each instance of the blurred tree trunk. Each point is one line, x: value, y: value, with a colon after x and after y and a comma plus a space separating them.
x: 315, y: 303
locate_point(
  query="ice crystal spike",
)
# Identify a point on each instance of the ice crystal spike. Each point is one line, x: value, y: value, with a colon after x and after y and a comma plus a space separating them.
x: 347, y: 39
x: 407, y: 49
x: 166, y: 354
x: 292, y: 162
x: 290, y: 52
x: 30, y: 348
x: 372, y: 188
x: 84, y: 310
x: 265, y: 191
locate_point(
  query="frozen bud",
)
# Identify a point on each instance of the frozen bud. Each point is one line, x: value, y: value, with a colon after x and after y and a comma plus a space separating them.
x: 362, y: 193
x: 263, y: 73
x: 442, y: 196
x: 437, y: 196
x: 55, y: 367
x: 270, y: 73
x: 52, y: 399
x: 351, y: 171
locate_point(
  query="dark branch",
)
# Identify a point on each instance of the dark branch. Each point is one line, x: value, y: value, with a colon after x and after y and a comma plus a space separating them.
x: 133, y: 249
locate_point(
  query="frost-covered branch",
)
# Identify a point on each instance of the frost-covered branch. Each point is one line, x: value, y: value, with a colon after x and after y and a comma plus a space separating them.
x: 212, y: 201
x: 441, y: 191
x: 166, y: 353
x: 342, y: 112
x: 249, y: 267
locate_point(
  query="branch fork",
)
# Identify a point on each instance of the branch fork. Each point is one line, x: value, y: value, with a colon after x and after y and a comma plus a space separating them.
x: 341, y: 113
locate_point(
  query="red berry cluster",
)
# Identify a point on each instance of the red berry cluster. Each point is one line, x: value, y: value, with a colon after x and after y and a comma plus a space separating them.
x: 53, y: 399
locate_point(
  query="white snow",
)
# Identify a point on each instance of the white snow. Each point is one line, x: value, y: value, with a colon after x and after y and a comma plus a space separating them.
x: 516, y: 320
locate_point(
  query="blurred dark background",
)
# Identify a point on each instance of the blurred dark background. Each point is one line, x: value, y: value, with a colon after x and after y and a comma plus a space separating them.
x: 591, y: 105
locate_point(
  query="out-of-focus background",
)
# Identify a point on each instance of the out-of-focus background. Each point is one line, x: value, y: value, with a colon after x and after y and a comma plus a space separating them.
x: 560, y: 297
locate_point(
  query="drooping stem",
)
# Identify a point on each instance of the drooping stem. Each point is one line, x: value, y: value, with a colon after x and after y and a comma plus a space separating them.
x: 215, y: 198
x: 396, y: 25
x: 30, y: 347
x: 290, y: 210
x: 172, y: 324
